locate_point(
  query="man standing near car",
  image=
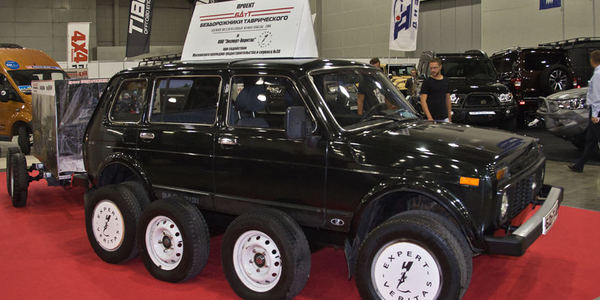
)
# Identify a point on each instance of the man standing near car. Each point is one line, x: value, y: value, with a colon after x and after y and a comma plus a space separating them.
x: 593, y: 129
x: 435, y: 95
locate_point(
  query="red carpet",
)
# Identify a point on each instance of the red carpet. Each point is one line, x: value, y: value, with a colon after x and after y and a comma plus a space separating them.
x: 45, y: 255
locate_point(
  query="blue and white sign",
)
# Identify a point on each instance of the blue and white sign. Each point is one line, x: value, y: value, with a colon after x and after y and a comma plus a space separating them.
x: 404, y: 25
x: 545, y: 4
x: 11, y: 64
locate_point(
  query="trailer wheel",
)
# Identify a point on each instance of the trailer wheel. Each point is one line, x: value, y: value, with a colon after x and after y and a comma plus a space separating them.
x: 111, y: 217
x: 18, y: 179
x: 265, y: 255
x: 174, y: 240
x: 9, y: 153
x: 24, y: 139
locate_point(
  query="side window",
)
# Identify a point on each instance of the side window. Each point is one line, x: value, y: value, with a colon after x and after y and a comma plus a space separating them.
x: 129, y: 102
x: 190, y: 100
x: 261, y: 101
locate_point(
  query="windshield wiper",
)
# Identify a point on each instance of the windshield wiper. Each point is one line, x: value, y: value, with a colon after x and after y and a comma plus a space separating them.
x: 389, y: 116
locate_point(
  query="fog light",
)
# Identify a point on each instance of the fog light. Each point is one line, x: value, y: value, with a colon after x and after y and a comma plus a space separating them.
x: 504, y: 207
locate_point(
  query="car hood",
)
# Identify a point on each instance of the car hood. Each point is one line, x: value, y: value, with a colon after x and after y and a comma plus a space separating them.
x: 569, y: 94
x: 466, y: 86
x: 467, y: 149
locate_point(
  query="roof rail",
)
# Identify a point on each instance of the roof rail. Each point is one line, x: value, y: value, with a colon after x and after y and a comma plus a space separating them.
x: 506, y: 49
x: 477, y: 52
x: 10, y: 45
x: 571, y: 42
x: 159, y: 60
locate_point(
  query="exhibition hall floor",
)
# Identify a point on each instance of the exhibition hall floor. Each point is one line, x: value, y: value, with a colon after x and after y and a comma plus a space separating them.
x: 46, y: 255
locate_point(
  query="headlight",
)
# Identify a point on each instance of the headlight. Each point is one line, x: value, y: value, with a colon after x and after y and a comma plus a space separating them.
x: 504, y: 98
x: 504, y: 206
x: 454, y: 98
x: 571, y: 104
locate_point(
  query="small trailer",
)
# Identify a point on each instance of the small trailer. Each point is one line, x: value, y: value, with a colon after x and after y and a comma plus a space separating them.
x: 61, y: 111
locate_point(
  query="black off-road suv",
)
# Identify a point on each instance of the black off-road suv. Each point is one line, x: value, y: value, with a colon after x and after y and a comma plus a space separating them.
x: 533, y: 73
x: 578, y: 50
x: 278, y: 144
x: 477, y: 96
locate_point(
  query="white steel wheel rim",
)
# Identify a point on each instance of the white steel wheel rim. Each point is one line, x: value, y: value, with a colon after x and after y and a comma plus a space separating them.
x: 164, y: 243
x: 406, y: 269
x: 257, y: 261
x: 108, y: 225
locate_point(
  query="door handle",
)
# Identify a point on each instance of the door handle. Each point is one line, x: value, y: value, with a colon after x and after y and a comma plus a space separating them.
x: 227, y: 141
x: 146, y: 135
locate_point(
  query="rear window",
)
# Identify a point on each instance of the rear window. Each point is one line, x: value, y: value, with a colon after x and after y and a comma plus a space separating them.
x: 505, y: 63
x: 535, y: 61
x: 129, y: 103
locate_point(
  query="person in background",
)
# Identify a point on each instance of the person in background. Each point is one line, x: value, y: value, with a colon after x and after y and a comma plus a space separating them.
x: 593, y: 101
x: 365, y: 90
x: 435, y: 94
x: 410, y: 84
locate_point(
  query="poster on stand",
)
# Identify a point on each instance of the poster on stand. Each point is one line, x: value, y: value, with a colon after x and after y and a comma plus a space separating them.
x: 139, y: 27
x: 250, y: 29
x: 404, y: 25
x: 78, y: 49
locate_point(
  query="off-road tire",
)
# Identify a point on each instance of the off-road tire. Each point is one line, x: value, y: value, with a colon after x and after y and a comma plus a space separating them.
x: 140, y: 193
x: 130, y: 209
x: 19, y: 177
x: 9, y: 153
x: 23, y: 140
x: 288, y: 238
x: 194, y: 236
x: 416, y: 230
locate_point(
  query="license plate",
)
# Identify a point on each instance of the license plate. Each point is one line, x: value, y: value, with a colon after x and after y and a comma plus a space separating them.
x: 478, y: 113
x: 550, y: 218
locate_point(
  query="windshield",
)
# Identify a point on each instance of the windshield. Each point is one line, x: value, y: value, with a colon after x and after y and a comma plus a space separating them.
x: 23, y: 78
x: 358, y: 97
x: 469, y: 67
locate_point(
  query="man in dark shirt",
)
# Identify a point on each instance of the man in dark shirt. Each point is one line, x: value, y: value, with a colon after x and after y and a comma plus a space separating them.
x: 435, y: 96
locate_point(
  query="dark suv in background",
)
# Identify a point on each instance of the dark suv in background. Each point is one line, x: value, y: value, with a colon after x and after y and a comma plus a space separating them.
x: 579, y: 50
x: 532, y: 73
x: 477, y: 96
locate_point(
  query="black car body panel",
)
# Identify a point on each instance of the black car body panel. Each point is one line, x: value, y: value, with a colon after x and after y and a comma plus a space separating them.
x: 336, y: 180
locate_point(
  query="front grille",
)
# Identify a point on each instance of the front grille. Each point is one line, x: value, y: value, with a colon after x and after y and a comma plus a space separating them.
x: 480, y: 101
x: 521, y: 193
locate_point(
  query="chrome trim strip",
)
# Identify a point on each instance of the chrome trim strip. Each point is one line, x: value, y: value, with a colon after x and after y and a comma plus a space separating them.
x: 180, y: 190
x: 537, y: 219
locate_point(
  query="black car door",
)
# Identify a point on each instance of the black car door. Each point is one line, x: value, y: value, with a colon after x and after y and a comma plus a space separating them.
x: 255, y: 162
x: 176, y: 141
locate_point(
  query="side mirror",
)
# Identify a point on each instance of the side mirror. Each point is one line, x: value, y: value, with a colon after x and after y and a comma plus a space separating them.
x: 296, y: 123
x: 4, y: 95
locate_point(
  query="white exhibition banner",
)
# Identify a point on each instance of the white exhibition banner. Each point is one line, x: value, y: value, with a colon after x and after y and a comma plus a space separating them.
x: 78, y: 48
x: 404, y: 25
x: 250, y: 29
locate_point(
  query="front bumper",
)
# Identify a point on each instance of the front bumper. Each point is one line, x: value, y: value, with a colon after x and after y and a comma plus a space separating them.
x: 483, y: 114
x: 565, y: 123
x: 519, y: 240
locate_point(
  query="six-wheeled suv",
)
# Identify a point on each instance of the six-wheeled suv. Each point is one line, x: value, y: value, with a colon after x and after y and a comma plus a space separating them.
x: 476, y: 95
x: 278, y: 144
x: 532, y: 73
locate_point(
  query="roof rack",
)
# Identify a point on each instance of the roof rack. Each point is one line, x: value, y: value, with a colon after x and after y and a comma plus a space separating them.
x: 159, y: 60
x: 10, y: 45
x: 571, y: 42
